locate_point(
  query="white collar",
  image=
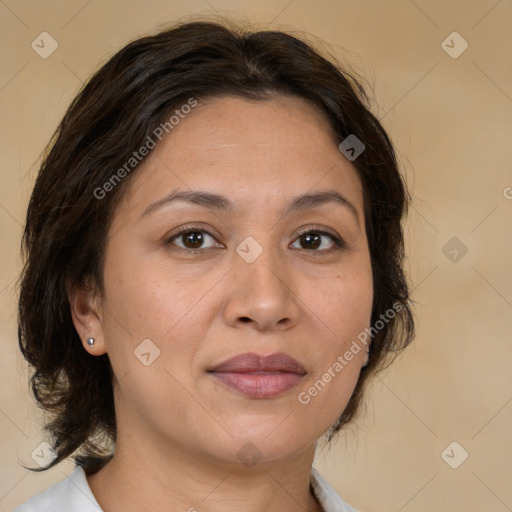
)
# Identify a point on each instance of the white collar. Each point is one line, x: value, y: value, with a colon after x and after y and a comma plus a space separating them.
x: 329, y: 499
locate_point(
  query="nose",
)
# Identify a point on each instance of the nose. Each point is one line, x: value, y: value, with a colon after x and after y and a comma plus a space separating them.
x: 263, y: 294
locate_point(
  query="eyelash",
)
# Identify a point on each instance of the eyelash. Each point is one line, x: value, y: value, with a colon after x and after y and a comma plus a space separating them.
x: 338, y: 242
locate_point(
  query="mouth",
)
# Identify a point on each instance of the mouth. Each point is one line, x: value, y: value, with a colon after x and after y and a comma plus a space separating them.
x: 259, y: 377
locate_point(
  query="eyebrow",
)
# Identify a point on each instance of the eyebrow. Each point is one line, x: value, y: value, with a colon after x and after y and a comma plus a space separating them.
x: 219, y: 202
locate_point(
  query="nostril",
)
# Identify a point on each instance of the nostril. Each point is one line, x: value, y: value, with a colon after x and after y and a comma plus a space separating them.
x: 245, y: 319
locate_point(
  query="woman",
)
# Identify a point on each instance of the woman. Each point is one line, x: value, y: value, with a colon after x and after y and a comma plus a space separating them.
x: 213, y: 272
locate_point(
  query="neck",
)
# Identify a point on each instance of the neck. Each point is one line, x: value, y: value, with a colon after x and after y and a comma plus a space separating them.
x: 143, y: 476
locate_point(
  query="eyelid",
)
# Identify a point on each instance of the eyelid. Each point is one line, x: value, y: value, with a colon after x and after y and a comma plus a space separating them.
x: 318, y: 229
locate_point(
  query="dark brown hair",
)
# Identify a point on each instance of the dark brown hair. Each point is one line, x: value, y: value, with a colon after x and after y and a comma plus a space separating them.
x: 111, y: 117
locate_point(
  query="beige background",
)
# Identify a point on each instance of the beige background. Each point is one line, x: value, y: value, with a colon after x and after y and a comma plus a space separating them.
x: 451, y: 122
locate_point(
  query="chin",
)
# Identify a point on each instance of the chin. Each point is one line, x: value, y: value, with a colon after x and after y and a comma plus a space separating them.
x: 263, y: 442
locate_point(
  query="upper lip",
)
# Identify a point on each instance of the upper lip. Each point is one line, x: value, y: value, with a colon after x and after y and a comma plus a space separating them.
x: 250, y: 362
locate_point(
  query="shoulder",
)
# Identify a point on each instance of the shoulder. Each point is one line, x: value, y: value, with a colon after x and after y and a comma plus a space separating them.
x: 327, y: 496
x: 72, y: 494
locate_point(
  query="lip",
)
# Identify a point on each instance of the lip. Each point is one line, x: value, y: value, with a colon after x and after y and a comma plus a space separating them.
x: 258, y: 376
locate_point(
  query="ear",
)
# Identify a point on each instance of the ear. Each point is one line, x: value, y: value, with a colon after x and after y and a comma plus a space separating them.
x: 87, y: 316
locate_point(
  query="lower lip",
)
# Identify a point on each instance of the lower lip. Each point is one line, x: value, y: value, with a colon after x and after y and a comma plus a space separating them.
x: 259, y: 385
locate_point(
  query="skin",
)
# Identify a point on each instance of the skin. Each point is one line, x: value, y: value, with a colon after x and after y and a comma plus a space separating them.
x: 179, y: 428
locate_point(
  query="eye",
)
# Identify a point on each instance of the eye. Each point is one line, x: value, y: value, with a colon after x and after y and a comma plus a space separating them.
x: 311, y: 240
x: 192, y: 239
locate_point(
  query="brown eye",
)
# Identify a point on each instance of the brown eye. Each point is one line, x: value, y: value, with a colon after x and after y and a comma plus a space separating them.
x: 191, y: 239
x: 312, y: 240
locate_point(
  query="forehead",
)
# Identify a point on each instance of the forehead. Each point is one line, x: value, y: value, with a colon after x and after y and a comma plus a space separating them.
x: 255, y: 152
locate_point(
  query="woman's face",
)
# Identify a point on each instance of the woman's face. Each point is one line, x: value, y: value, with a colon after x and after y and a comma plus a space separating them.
x: 246, y: 279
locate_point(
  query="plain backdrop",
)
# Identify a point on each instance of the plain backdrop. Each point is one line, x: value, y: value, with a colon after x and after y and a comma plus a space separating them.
x: 448, y: 110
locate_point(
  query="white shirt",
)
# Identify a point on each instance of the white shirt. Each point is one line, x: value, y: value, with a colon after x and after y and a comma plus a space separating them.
x: 73, y: 494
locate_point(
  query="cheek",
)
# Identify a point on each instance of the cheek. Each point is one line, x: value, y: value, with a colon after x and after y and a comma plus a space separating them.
x: 145, y: 329
x: 343, y: 302
x: 341, y: 309
x: 147, y: 298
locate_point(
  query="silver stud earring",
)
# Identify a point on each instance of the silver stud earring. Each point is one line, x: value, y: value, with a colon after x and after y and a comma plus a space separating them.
x: 90, y: 342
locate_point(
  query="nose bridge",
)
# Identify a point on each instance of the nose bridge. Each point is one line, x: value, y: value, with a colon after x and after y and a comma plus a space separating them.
x: 259, y: 260
x: 263, y: 292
